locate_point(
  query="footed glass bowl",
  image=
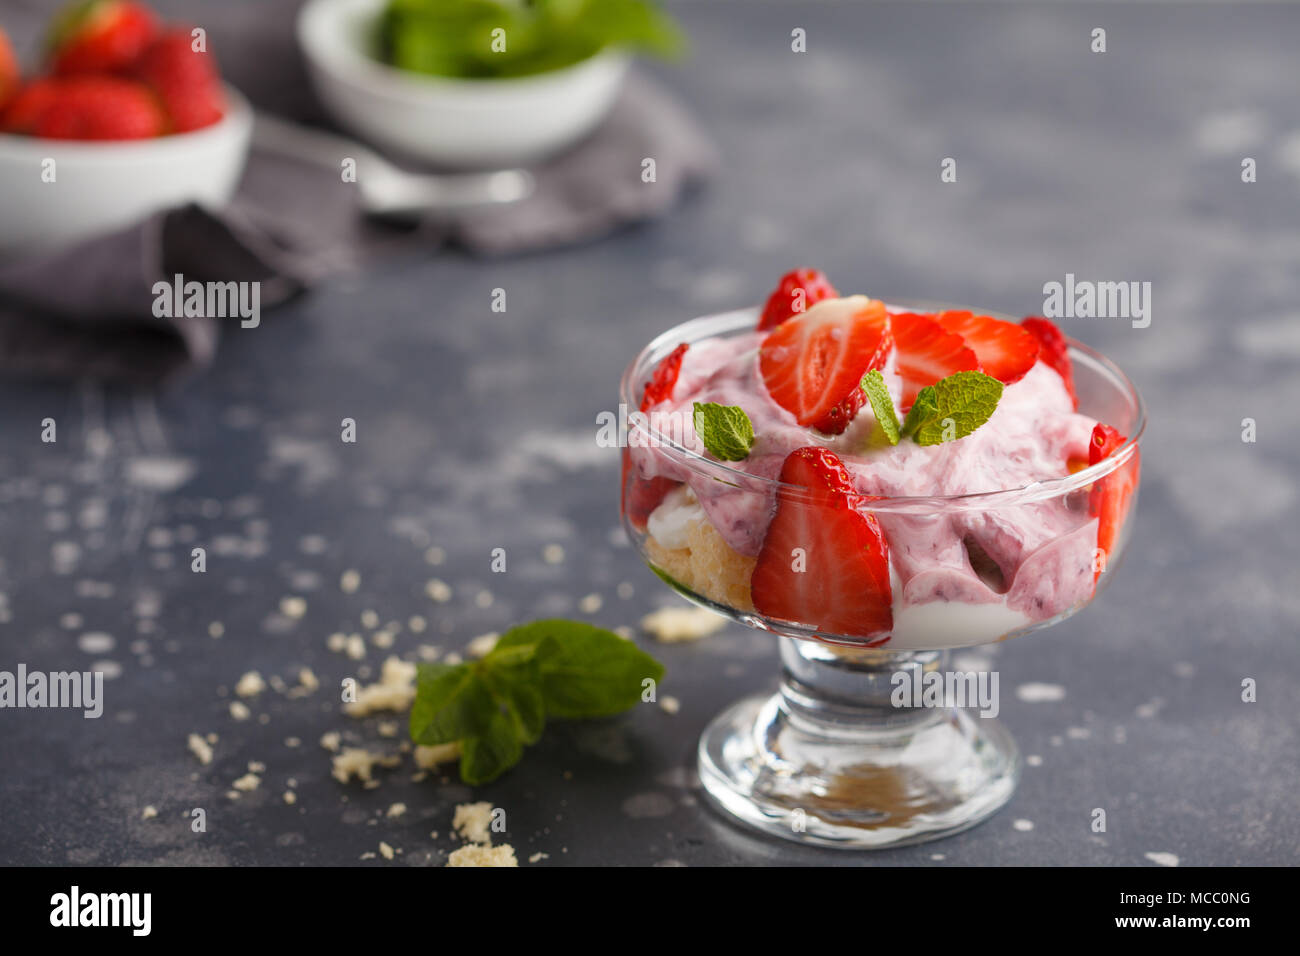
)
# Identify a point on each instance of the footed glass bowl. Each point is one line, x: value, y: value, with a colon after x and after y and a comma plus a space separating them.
x: 867, y: 743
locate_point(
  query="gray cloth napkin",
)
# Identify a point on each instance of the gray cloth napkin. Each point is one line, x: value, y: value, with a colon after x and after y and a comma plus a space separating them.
x: 87, y: 311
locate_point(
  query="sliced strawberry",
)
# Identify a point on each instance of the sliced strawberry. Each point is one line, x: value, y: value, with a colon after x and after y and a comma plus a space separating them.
x: 1003, y: 349
x: 1053, y: 350
x: 927, y: 352
x: 813, y: 364
x: 824, y: 563
x: 641, y: 496
x: 798, y: 291
x: 1110, y: 496
x: 663, y: 379
x: 100, y: 36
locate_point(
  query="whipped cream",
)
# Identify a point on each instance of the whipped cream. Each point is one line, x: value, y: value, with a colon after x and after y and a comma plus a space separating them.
x: 962, y: 576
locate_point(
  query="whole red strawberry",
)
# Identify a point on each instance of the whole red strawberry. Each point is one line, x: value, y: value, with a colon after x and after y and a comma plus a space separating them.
x: 9, y: 74
x: 99, y: 108
x: 798, y: 291
x: 186, y: 80
x: 100, y: 36
x: 28, y: 105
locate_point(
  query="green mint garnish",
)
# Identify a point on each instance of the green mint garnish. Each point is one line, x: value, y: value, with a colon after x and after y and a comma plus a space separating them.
x: 507, y: 38
x: 873, y: 383
x: 725, y: 430
x: 498, y: 705
x: 952, y: 408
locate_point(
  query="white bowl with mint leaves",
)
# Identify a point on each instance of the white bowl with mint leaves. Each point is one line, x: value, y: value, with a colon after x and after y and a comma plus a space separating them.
x: 476, y: 83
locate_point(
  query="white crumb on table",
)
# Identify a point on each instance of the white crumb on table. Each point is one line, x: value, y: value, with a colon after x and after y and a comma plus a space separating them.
x: 673, y: 625
x: 250, y: 685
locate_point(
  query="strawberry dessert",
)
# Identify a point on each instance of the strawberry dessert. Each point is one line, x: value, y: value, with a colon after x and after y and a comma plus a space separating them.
x: 861, y: 473
x: 112, y: 72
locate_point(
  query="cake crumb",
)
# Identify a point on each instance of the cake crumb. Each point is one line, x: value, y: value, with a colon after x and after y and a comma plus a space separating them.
x: 250, y: 685
x: 337, y: 642
x: 473, y: 855
x: 200, y: 748
x: 290, y: 797
x: 369, y: 619
x: 428, y: 758
x: 473, y: 822
x: 356, y: 647
x: 360, y: 763
x: 395, y: 690
x: 396, y: 810
x: 350, y: 581
x: 330, y: 741
x: 439, y: 591
x: 417, y: 624
x: 673, y: 625
x: 538, y: 857
x: 553, y: 554
x: 308, y: 683
x: 239, y: 710
x: 216, y: 629
x: 591, y: 604
x: 482, y: 645
x: 435, y: 555
x: 670, y: 705
x: 149, y: 812
x: 293, y: 607
x: 256, y: 766
x: 385, y: 851
x: 247, y: 783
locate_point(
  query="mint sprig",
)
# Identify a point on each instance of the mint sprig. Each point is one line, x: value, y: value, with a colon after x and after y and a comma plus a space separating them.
x: 498, y: 705
x: 952, y: 408
x: 882, y: 405
x: 725, y: 430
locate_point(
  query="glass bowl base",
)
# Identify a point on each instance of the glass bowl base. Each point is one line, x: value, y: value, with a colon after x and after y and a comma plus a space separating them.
x: 856, y: 784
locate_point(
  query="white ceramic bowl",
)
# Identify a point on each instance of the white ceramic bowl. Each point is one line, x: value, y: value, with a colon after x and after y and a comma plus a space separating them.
x: 100, y: 186
x: 446, y: 121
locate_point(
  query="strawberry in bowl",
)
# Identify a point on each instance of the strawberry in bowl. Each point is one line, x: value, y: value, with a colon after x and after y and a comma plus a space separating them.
x: 123, y: 116
x: 876, y: 483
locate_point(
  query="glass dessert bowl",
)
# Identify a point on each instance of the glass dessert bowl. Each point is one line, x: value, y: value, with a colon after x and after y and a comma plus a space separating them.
x: 869, y: 554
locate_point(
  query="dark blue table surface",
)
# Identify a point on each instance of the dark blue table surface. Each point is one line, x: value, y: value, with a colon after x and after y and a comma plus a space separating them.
x: 476, y: 431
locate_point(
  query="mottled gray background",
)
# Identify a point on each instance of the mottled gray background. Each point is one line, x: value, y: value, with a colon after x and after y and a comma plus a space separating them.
x: 476, y: 431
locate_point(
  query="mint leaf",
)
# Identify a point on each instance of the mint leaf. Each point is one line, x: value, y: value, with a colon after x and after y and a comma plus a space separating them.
x: 725, y: 430
x: 456, y: 38
x: 952, y: 408
x: 496, y: 706
x: 882, y: 405
x: 487, y: 755
x: 451, y: 703
x: 516, y: 689
x: 585, y: 671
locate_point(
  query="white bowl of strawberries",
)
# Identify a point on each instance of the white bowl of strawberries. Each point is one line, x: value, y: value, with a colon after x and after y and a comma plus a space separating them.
x: 126, y: 116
